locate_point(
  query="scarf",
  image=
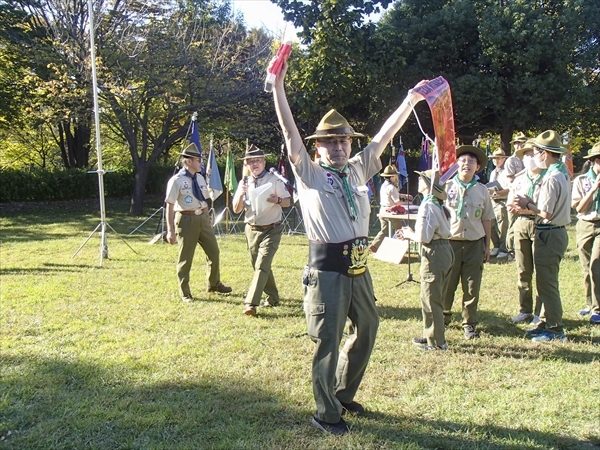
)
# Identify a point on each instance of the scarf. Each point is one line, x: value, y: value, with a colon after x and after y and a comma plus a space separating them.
x: 344, y: 177
x: 560, y: 167
x: 195, y: 186
x: 433, y: 199
x: 262, y: 174
x: 592, y: 176
x: 533, y: 182
x: 463, y: 191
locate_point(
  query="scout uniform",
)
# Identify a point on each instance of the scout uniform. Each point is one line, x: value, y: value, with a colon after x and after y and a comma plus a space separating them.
x: 432, y: 230
x: 588, y: 232
x: 337, y: 284
x: 469, y: 205
x: 188, y: 194
x: 500, y: 227
x: 512, y: 167
x: 526, y: 183
x: 551, y: 238
x: 263, y: 234
x: 389, y: 196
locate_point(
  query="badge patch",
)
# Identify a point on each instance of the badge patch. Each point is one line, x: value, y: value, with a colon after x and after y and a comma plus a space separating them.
x: 586, y: 186
x: 358, y: 257
x: 188, y: 199
x: 451, y: 194
x: 477, y: 213
x: 186, y: 185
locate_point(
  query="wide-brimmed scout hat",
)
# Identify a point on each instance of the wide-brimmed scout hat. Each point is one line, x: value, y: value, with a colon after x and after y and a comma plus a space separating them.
x: 254, y: 152
x: 389, y: 171
x: 528, y: 146
x: 498, y: 153
x: 520, y: 137
x: 191, y: 151
x: 333, y: 124
x: 432, y: 177
x: 594, y: 152
x: 550, y: 141
x: 479, y: 154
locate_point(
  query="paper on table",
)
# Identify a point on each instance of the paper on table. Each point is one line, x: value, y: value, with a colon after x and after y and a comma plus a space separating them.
x: 258, y: 197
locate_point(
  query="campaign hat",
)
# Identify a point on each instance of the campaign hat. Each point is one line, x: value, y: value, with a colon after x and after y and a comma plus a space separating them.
x: 333, y: 124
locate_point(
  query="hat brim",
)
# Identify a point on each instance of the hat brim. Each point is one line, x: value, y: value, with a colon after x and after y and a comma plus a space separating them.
x: 438, y: 191
x: 479, y: 154
x: 254, y: 156
x: 593, y: 155
x: 551, y: 149
x: 190, y: 155
x: 498, y: 156
x: 387, y: 175
x: 327, y: 136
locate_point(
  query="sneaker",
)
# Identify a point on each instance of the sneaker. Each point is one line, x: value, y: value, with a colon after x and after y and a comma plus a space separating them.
x: 595, y: 318
x: 585, y: 311
x: 187, y: 299
x: 510, y: 257
x: 340, y: 428
x: 522, y: 317
x: 419, y: 341
x: 249, y: 310
x: 354, y: 408
x: 470, y: 332
x: 535, y: 320
x: 547, y: 336
x: 535, y: 331
x: 501, y: 255
x: 220, y: 288
x: 494, y: 251
x: 427, y: 348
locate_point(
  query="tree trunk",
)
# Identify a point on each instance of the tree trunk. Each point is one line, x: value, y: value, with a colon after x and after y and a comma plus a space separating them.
x: 139, y: 188
x: 505, y: 138
x: 74, y: 143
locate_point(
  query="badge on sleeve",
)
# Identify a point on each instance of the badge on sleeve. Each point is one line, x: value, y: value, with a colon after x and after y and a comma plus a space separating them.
x: 477, y: 213
x: 188, y: 199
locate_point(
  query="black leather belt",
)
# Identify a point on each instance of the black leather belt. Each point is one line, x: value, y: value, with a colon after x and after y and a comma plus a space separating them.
x: 347, y: 258
x: 265, y: 227
x: 548, y: 227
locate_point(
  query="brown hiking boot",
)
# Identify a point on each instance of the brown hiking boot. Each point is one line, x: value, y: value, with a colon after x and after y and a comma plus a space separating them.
x: 220, y: 288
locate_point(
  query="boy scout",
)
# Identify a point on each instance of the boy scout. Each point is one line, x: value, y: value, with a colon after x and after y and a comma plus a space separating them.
x: 499, y: 194
x: 471, y: 228
x: 263, y: 227
x: 388, y: 196
x: 335, y: 206
x: 513, y: 166
x: 432, y: 230
x: 553, y: 208
x: 586, y: 201
x: 527, y: 183
x: 188, y: 222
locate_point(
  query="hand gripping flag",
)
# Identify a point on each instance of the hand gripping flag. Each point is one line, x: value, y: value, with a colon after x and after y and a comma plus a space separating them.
x: 437, y: 95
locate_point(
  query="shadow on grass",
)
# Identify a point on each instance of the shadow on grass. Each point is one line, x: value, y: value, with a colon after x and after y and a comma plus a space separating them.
x: 47, y: 268
x: 52, y: 403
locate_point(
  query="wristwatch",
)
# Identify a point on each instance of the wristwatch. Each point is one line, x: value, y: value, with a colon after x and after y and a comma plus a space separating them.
x: 279, y: 200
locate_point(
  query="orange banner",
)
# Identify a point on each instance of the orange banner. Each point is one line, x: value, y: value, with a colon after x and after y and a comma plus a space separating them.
x: 437, y: 94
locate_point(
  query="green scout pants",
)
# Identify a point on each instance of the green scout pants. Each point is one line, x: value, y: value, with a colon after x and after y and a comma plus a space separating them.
x: 548, y: 249
x: 385, y: 230
x: 510, y: 243
x: 330, y: 298
x: 262, y: 246
x: 524, y: 237
x: 192, y: 230
x: 468, y: 269
x: 437, y: 259
x: 500, y: 227
x: 588, y: 244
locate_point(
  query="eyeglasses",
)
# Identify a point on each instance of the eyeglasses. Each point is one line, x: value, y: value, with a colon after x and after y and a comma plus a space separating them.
x: 334, y: 141
x: 467, y: 160
x: 537, y: 151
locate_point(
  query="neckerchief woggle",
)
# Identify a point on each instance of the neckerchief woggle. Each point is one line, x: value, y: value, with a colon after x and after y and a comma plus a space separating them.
x: 344, y: 177
x: 533, y: 181
x: 195, y: 186
x: 592, y: 176
x: 461, y: 200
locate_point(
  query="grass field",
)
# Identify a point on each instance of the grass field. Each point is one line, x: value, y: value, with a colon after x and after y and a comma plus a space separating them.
x: 110, y: 358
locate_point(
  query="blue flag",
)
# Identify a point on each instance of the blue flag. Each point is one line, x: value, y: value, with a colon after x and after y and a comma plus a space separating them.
x: 212, y: 174
x: 401, y: 166
x: 425, y: 159
x: 195, y: 139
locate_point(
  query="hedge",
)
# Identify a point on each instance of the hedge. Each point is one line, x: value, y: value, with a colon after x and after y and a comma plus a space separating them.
x: 73, y: 184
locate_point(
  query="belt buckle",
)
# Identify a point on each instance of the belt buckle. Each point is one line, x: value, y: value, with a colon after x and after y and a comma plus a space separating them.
x: 198, y: 212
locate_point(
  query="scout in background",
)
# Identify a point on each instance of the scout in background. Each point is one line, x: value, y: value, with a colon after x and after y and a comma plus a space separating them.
x: 553, y: 208
x: 586, y: 201
x: 526, y: 183
x: 499, y: 192
x: 471, y: 231
x: 432, y: 230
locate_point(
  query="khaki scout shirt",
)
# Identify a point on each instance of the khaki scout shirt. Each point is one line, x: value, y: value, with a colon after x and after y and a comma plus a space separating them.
x: 388, y: 196
x: 325, y: 209
x: 274, y: 212
x: 520, y: 187
x: 477, y: 208
x: 581, y: 186
x: 499, y: 174
x: 432, y: 224
x: 513, y: 166
x: 555, y: 198
x: 179, y: 192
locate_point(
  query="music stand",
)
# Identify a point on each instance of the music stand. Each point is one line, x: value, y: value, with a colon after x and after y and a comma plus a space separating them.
x: 409, y: 277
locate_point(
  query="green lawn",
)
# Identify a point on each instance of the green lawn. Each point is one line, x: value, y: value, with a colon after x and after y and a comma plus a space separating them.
x: 111, y: 358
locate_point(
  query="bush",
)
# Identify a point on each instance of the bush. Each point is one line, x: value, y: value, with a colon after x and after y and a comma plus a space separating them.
x: 74, y: 184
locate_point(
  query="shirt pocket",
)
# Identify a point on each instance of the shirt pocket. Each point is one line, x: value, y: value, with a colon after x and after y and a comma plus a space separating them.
x: 361, y: 199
